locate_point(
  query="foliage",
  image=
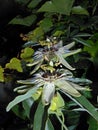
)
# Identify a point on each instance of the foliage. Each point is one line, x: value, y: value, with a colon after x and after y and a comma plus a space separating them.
x: 52, y: 61
x: 93, y: 124
x: 26, y: 54
x: 93, y: 49
x: 14, y: 64
x: 46, y: 84
x: 1, y: 74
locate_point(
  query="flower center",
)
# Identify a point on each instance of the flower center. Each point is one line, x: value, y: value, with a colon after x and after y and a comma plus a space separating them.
x: 51, y: 76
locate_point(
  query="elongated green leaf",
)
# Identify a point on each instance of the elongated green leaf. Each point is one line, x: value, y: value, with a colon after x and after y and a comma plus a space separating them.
x: 93, y: 124
x: 21, y: 114
x: 84, y: 103
x: 49, y: 125
x: 33, y: 3
x: 27, y: 105
x: 83, y: 35
x: 38, y: 118
x: 21, y: 98
x: 80, y: 40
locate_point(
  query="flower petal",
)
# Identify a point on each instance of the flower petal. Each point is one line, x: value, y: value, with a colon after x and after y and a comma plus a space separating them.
x: 78, y: 87
x: 48, y: 93
x: 36, y: 67
x: 30, y: 81
x: 65, y: 73
x: 63, y: 61
x: 59, y: 44
x: 80, y: 81
x: 71, y: 53
x: 67, y: 88
x: 70, y: 45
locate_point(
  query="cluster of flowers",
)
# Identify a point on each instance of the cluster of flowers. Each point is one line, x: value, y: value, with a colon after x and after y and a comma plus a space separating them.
x: 48, y: 74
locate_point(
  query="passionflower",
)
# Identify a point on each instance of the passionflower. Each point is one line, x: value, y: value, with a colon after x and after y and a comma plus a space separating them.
x: 54, y: 52
x: 62, y: 80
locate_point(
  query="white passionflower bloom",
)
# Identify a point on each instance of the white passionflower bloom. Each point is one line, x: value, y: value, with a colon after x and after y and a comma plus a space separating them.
x: 55, y: 53
x: 60, y: 80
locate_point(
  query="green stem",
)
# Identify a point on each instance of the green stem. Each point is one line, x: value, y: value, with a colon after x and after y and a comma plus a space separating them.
x: 63, y: 125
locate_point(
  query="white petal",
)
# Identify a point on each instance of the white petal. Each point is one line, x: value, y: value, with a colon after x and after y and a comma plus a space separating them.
x: 59, y: 44
x: 67, y: 88
x: 48, y: 93
x: 78, y: 87
x: 70, y: 45
x: 66, y: 54
x: 63, y: 61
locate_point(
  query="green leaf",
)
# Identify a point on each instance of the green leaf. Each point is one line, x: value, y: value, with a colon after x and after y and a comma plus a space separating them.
x: 27, y: 54
x: 93, y: 49
x: 1, y: 74
x: 93, y: 124
x: 48, y: 7
x: 27, y: 105
x: 84, y: 103
x: 56, y: 103
x: 21, y: 98
x: 36, y: 34
x: 33, y: 3
x: 38, y: 118
x: 16, y: 109
x: 80, y: 40
x: 57, y: 6
x: 63, y: 6
x: 26, y: 21
x: 14, y: 64
x: 49, y: 125
x: 79, y: 10
x: 83, y: 35
x: 58, y: 33
x: 46, y: 24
